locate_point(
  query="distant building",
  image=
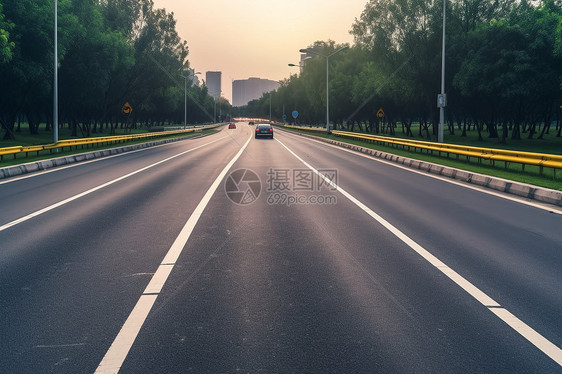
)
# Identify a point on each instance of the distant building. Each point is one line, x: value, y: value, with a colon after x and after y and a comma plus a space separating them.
x: 246, y: 90
x: 214, y: 83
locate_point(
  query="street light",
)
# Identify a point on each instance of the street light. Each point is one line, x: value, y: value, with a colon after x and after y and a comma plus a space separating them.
x: 327, y: 80
x: 56, y: 83
x: 442, y: 98
x: 185, y: 97
x: 301, y: 65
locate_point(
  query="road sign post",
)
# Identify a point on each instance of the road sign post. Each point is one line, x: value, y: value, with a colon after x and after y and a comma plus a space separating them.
x: 127, y: 110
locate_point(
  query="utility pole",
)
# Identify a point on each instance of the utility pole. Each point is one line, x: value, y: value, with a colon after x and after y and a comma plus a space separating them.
x: 442, y: 98
x: 56, y: 82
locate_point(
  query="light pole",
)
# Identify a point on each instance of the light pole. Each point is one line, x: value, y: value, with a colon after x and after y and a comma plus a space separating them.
x: 442, y: 98
x: 56, y: 82
x: 185, y: 97
x: 327, y: 80
x: 301, y: 65
x: 296, y: 66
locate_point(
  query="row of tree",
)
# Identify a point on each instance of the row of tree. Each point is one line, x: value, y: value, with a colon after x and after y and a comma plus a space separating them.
x: 503, y: 70
x: 110, y: 52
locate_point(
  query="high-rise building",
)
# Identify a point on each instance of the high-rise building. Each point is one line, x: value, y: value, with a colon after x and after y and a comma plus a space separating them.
x: 246, y: 90
x: 214, y: 83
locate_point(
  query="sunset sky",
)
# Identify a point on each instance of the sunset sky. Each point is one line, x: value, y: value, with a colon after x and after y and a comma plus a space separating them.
x: 258, y: 38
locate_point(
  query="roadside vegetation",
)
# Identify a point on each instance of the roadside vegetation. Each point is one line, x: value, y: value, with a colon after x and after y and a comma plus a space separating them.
x: 111, y: 52
x: 503, y: 73
x: 503, y: 80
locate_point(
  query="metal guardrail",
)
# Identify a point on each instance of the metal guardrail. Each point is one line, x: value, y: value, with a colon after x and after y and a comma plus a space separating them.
x: 17, y: 150
x: 491, y: 154
x: 305, y: 128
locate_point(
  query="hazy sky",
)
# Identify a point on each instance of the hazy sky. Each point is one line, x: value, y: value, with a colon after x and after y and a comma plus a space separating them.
x: 257, y: 38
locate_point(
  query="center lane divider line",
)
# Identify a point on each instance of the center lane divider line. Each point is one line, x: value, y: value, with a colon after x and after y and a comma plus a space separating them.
x: 119, y: 349
x: 539, y: 341
x: 75, y: 197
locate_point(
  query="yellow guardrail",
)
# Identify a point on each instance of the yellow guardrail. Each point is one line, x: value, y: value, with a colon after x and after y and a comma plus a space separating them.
x: 10, y: 151
x: 17, y: 150
x: 491, y: 154
x: 306, y: 128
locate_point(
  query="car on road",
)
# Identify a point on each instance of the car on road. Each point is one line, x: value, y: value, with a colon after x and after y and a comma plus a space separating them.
x: 232, y: 126
x: 264, y: 131
x: 251, y: 123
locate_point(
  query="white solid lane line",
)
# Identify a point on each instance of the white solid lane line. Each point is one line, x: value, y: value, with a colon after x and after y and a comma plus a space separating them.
x: 115, y: 356
x: 75, y: 197
x: 547, y: 347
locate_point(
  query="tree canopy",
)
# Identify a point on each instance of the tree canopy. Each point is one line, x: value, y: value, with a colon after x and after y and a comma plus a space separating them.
x: 6, y: 46
x: 110, y: 52
x: 503, y: 69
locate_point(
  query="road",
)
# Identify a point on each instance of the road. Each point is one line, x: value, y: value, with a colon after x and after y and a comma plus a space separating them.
x: 229, y: 254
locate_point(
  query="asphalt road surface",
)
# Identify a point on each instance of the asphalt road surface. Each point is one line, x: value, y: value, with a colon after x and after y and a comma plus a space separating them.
x: 229, y: 254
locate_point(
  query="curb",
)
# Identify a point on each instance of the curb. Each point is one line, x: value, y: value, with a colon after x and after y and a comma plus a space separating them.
x: 541, y: 194
x: 12, y: 171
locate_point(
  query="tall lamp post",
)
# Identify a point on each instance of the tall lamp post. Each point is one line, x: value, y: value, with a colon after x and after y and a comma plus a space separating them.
x: 301, y: 65
x: 187, y: 76
x: 442, y: 97
x: 327, y: 80
x: 56, y: 82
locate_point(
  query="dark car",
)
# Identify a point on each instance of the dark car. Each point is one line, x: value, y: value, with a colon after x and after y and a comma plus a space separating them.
x: 251, y: 123
x: 264, y: 131
x: 232, y: 126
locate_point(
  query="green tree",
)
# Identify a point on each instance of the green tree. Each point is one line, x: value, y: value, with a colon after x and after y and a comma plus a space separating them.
x: 95, y: 54
x: 6, y: 46
x: 27, y: 75
x: 511, y: 73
